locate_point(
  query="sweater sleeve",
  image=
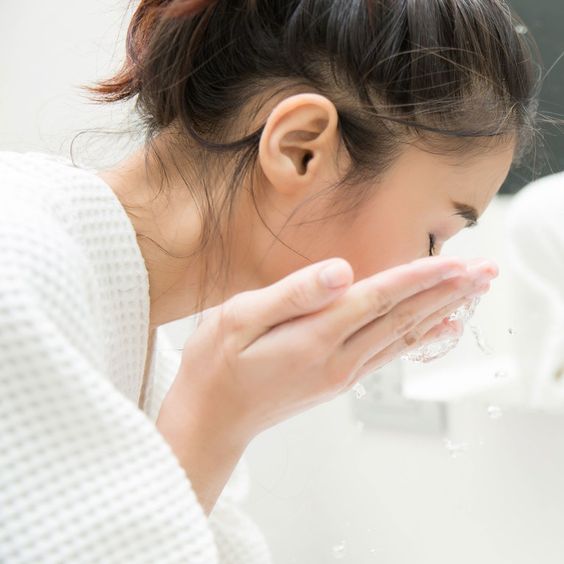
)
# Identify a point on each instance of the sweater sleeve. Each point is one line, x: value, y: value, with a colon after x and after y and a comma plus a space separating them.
x: 237, y: 537
x: 85, y: 476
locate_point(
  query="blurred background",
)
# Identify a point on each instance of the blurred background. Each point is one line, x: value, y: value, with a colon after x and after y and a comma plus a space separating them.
x: 459, y: 460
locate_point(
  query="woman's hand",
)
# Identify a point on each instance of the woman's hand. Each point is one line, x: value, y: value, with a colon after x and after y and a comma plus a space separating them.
x: 265, y: 355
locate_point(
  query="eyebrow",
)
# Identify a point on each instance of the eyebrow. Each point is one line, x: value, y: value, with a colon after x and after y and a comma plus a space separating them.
x: 469, y: 213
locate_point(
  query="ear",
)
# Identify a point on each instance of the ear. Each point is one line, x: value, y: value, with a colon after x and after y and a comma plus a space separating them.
x: 299, y: 143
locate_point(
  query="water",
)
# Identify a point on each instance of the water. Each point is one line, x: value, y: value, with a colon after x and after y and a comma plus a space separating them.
x: 438, y: 349
x: 481, y: 340
x: 359, y: 390
x: 340, y: 550
x: 494, y: 411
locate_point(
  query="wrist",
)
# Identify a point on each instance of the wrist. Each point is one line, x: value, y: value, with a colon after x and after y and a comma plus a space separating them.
x: 208, y: 444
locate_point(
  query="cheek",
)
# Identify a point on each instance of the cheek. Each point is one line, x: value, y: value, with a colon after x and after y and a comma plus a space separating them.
x: 375, y: 239
x: 381, y: 238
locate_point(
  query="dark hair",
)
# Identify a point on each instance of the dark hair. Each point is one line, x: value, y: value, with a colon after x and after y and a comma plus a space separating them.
x: 455, y: 75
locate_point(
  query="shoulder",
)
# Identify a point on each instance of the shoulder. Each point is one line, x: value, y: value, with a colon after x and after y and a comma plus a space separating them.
x: 47, y: 279
x: 37, y: 246
x: 39, y: 216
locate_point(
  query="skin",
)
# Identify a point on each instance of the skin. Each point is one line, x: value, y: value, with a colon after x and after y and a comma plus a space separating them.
x: 410, y: 201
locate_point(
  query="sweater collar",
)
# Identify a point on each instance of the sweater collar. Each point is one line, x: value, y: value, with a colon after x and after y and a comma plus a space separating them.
x: 126, y: 296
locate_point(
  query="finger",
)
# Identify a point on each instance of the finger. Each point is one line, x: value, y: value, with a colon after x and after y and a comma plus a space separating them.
x: 374, y: 297
x: 305, y: 291
x: 255, y: 312
x: 434, y: 328
x: 406, y: 320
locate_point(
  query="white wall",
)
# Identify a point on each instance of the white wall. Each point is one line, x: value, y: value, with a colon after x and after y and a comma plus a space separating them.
x: 47, y: 50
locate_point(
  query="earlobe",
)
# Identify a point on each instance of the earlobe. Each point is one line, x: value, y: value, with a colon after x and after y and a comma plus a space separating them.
x: 299, y: 142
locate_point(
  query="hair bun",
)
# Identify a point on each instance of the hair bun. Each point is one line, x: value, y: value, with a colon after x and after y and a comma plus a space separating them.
x: 187, y: 8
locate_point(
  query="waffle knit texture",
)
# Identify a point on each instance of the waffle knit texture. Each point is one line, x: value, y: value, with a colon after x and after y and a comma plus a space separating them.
x: 85, y: 476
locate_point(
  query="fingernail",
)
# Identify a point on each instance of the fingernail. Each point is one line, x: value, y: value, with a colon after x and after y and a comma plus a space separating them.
x: 488, y: 267
x: 335, y: 275
x: 483, y: 279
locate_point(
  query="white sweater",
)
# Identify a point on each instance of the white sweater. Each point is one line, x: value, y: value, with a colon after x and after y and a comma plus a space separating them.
x: 84, y: 474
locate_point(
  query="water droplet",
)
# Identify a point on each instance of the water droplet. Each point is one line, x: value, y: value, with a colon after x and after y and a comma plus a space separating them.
x: 521, y: 29
x: 359, y: 390
x: 431, y: 351
x: 465, y: 312
x: 481, y: 340
x: 501, y: 374
x: 494, y: 411
x: 340, y: 550
x: 455, y: 449
x: 511, y: 331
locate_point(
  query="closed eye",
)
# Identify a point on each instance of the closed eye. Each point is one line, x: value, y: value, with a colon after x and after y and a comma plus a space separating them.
x: 432, y: 243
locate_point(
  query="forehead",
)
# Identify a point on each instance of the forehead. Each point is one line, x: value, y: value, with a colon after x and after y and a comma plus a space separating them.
x: 472, y: 176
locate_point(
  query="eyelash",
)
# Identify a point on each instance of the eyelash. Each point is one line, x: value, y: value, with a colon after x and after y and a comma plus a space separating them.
x: 432, y: 242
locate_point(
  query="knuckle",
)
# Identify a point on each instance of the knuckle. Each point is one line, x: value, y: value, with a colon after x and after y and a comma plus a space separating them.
x: 379, y: 302
x: 412, y: 337
x: 298, y: 297
x: 230, y: 314
x: 404, y: 321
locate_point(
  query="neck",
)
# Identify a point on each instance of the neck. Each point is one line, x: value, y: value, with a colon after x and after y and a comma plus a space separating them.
x: 170, y: 220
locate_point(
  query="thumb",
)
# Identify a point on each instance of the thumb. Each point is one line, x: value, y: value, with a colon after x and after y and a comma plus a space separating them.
x: 305, y: 291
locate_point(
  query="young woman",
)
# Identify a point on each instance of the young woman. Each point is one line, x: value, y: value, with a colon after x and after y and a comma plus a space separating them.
x: 302, y: 161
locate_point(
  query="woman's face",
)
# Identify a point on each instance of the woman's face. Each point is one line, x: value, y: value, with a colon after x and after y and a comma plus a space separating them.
x: 423, y: 199
x: 421, y: 196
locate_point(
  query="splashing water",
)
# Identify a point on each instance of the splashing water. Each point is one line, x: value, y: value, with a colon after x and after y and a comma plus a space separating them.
x: 438, y: 349
x: 494, y: 411
x: 481, y: 340
x: 340, y: 550
x: 359, y: 390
